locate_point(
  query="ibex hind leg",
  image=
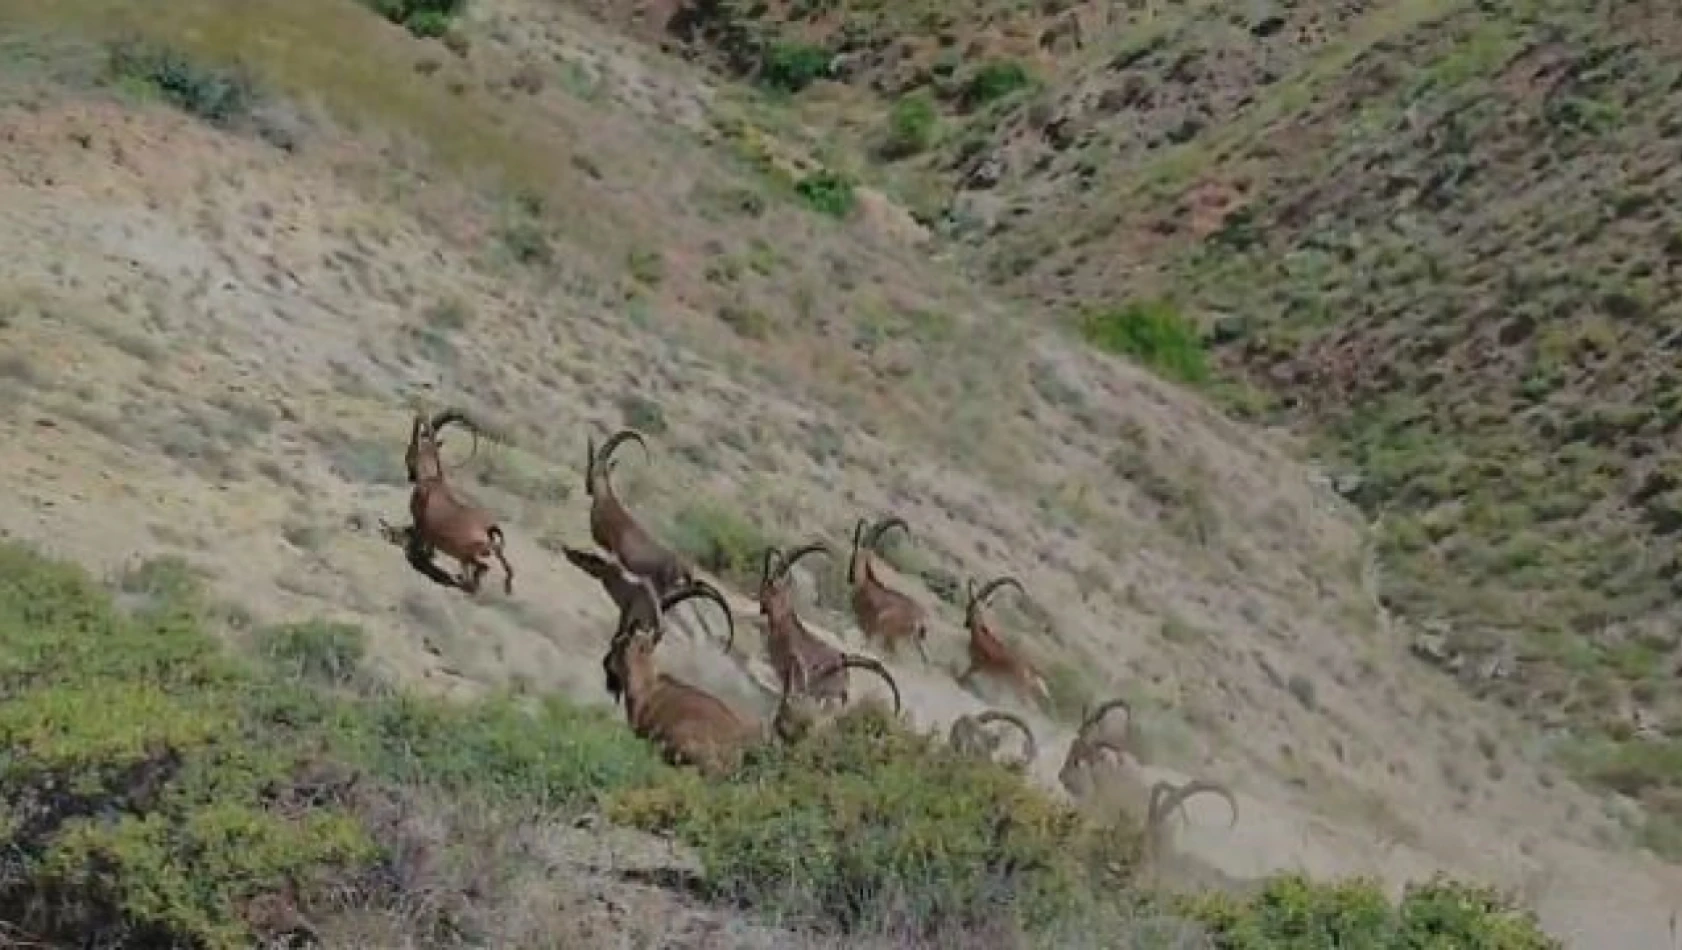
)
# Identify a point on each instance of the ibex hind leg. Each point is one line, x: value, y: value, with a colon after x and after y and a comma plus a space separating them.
x: 419, y: 555
x: 502, y: 559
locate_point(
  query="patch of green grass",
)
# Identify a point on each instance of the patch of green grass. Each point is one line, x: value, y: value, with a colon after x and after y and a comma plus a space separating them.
x: 720, y: 540
x: 912, y: 124
x: 1153, y: 332
x: 995, y: 80
x: 1293, y: 913
x: 827, y: 192
x: 791, y: 67
x: 421, y: 17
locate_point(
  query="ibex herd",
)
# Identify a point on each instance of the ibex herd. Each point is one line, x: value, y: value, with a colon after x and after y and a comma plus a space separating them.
x: 645, y: 580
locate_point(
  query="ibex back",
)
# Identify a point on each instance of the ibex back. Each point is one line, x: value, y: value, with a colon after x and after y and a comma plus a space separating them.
x: 886, y: 616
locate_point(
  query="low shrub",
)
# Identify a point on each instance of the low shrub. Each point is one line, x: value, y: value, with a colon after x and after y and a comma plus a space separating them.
x: 1154, y: 333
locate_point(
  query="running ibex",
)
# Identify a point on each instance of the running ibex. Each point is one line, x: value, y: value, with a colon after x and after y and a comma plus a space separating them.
x: 689, y: 725
x: 614, y: 528
x: 884, y: 615
x: 442, y: 520
x: 990, y: 655
x: 969, y: 736
x: 797, y: 653
x: 1080, y: 776
x: 1089, y: 744
x: 643, y: 608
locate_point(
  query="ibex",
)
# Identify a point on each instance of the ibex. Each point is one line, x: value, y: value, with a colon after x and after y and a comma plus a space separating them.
x: 1088, y: 745
x: 626, y: 589
x: 642, y: 608
x: 796, y: 652
x: 969, y: 736
x: 688, y: 724
x: 442, y: 520
x: 1086, y: 753
x: 990, y: 655
x: 884, y: 615
x: 614, y: 528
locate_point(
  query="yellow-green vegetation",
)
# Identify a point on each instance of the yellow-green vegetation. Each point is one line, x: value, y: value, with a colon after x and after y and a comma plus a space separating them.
x: 157, y: 788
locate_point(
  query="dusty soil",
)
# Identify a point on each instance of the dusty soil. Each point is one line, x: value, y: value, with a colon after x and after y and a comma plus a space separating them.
x: 211, y: 345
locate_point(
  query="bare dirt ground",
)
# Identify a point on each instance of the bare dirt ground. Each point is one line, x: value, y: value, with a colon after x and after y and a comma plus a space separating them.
x: 209, y: 346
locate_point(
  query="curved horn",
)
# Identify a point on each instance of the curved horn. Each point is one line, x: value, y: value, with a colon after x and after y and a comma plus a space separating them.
x: 854, y: 661
x: 853, y: 558
x: 1165, y: 797
x: 605, y: 455
x: 987, y: 589
x: 706, y: 591
x: 788, y: 562
x: 874, y: 536
x: 1030, y: 748
x: 452, y: 414
x: 1104, y: 709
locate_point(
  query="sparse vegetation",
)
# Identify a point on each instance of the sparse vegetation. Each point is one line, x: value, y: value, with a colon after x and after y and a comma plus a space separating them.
x: 912, y: 123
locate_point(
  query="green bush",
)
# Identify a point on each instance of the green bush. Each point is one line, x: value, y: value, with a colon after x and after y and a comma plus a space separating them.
x: 995, y: 80
x: 1291, y: 912
x: 911, y: 127
x: 791, y: 67
x: 1154, y: 333
x: 422, y: 17
x: 721, y: 541
x: 153, y: 785
x: 827, y: 192
x: 218, y: 95
x: 867, y: 819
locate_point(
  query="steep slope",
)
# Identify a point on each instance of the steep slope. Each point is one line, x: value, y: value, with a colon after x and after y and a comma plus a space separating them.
x: 215, y: 324
x: 1434, y: 236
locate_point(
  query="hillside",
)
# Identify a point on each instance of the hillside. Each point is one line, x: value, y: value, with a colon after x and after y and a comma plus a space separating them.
x: 244, y: 242
x: 1434, y: 238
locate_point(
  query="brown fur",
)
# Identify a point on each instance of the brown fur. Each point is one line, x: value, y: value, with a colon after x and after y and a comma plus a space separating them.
x: 689, y: 725
x: 796, y: 653
x: 615, y: 529
x: 442, y: 520
x: 989, y: 654
x: 886, y: 616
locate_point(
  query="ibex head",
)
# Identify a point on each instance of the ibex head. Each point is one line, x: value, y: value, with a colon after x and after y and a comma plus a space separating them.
x: 978, y: 598
x: 643, y: 618
x: 424, y: 460
x: 868, y: 539
x: 969, y: 736
x: 773, y: 576
x: 598, y: 465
